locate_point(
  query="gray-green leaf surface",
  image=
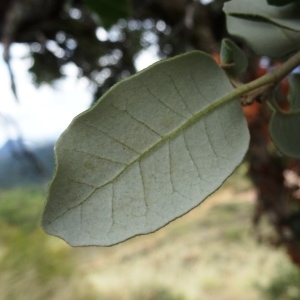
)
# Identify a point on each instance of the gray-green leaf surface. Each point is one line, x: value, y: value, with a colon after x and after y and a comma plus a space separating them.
x: 233, y: 59
x: 285, y: 127
x: 294, y: 92
x: 154, y: 147
x: 285, y: 17
x: 269, y: 30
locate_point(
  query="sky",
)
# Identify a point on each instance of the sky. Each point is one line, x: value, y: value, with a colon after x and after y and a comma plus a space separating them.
x: 43, y: 113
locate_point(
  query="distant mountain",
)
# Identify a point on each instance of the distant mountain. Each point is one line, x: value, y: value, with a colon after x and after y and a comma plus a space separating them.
x: 7, y: 147
x: 25, y: 165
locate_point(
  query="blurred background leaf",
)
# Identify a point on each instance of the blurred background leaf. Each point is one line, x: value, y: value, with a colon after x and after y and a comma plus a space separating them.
x: 281, y: 2
x: 110, y: 11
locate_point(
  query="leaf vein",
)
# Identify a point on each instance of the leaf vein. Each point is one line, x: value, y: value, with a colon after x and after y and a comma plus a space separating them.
x: 139, y: 121
x: 143, y: 184
x: 198, y: 90
x: 180, y: 96
x: 209, y: 140
x: 111, y: 137
x: 94, y: 155
x: 165, y: 104
x: 192, y: 159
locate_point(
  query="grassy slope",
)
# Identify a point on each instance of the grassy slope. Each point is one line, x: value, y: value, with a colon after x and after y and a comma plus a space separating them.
x: 208, y: 254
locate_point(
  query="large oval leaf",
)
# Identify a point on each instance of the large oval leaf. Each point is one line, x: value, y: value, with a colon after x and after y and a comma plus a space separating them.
x: 294, y: 92
x: 154, y: 147
x: 285, y: 17
x: 284, y: 127
x: 264, y: 38
x: 269, y: 30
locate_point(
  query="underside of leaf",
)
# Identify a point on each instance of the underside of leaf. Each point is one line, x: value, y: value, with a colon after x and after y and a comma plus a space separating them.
x: 269, y: 30
x: 154, y: 147
x: 233, y: 59
x: 264, y: 38
x: 284, y: 129
x: 284, y: 126
x: 286, y: 17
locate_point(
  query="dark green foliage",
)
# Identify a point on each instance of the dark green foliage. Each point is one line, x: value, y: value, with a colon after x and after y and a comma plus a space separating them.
x: 284, y: 286
x: 45, y: 68
x: 110, y: 11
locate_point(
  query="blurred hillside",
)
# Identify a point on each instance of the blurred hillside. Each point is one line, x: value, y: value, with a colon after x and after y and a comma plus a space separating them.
x: 193, y: 258
x: 25, y: 165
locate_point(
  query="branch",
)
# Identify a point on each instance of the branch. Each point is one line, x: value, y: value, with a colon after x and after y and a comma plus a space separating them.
x: 271, y: 78
x: 263, y: 83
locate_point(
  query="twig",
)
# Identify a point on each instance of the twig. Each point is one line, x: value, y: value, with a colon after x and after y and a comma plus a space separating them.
x: 266, y: 81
